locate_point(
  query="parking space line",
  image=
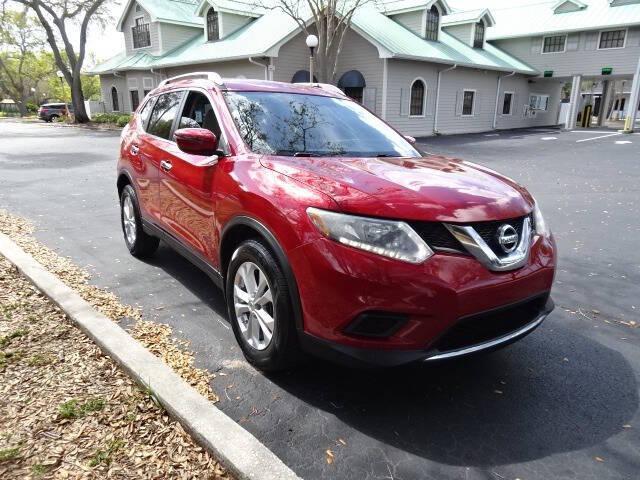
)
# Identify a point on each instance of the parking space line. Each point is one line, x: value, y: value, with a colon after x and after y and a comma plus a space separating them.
x: 596, y: 138
x: 592, y: 131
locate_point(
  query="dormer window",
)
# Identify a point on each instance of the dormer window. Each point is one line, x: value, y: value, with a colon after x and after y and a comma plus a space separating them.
x: 213, y: 29
x: 140, y: 33
x: 478, y: 38
x: 432, y: 24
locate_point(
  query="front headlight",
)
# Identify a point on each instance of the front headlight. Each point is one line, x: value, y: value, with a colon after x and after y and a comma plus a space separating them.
x: 383, y: 237
x: 538, y: 220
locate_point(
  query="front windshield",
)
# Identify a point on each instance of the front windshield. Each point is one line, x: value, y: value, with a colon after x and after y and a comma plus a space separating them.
x: 309, y: 125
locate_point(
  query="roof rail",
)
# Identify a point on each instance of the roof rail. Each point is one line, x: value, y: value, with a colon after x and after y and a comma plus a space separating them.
x: 213, y: 76
x: 323, y: 86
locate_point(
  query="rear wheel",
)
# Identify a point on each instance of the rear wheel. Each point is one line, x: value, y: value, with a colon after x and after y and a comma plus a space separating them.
x: 53, y: 118
x: 138, y: 242
x: 259, y: 305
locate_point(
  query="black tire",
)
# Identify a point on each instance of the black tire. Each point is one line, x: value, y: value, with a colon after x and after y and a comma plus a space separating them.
x: 53, y: 118
x: 283, y: 351
x: 142, y: 245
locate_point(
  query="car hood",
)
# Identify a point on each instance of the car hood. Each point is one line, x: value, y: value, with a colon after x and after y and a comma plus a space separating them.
x: 431, y: 188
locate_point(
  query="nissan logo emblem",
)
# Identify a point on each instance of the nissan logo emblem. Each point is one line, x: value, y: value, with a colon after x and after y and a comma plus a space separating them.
x: 507, y: 238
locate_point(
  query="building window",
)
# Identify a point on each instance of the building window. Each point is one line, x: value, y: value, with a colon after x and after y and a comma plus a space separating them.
x: 418, y: 97
x: 115, y: 104
x: 612, y: 39
x: 554, y: 44
x: 478, y: 38
x: 213, y: 29
x: 506, y: 103
x: 146, y: 92
x: 140, y: 34
x: 539, y: 102
x: 135, y: 100
x: 433, y: 24
x: 468, y: 101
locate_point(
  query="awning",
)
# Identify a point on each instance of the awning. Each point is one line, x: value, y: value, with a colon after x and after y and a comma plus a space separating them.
x: 352, y: 79
x: 302, y: 76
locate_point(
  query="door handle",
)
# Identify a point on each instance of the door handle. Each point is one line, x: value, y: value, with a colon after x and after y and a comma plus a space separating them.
x: 134, y: 150
x: 166, y: 165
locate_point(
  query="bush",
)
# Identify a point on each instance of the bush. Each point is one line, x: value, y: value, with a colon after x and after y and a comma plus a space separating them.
x: 123, y: 120
x: 32, y: 107
x: 106, y: 117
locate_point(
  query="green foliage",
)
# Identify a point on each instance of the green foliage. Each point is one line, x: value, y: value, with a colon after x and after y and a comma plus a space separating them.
x: 117, y: 118
x: 104, y: 456
x: 9, y: 454
x: 21, y: 332
x: 91, y: 87
x: 123, y: 120
x: 73, y: 409
x: 32, y: 107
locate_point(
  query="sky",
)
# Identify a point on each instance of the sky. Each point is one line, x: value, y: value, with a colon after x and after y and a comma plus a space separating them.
x: 105, y: 43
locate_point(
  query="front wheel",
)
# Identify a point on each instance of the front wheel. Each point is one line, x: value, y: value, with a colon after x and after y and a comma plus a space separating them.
x: 259, y: 305
x: 138, y: 242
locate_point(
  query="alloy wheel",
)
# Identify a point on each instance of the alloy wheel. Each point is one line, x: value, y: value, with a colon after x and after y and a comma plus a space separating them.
x: 129, y: 219
x: 253, y: 305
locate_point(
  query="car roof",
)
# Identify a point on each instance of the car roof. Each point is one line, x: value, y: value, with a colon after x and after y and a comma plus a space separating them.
x: 60, y: 104
x: 252, y: 85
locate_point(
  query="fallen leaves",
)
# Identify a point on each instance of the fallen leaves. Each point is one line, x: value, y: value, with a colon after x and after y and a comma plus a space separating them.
x: 67, y: 411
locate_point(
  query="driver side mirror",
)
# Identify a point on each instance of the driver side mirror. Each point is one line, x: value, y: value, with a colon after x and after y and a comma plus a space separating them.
x: 197, y: 141
x: 410, y: 139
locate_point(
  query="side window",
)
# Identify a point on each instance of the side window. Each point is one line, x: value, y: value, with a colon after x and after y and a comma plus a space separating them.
x: 145, y: 112
x: 164, y: 113
x: 198, y: 113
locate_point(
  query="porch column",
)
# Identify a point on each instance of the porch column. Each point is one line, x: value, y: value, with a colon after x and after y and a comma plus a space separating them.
x: 634, y: 99
x: 574, y: 102
x: 604, y: 102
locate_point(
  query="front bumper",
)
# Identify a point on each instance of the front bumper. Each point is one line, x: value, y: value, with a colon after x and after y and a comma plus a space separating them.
x: 339, y: 284
x: 364, y: 357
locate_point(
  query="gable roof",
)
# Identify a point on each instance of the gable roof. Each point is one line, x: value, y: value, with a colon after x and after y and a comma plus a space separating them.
x: 469, y: 16
x: 237, y: 7
x: 394, y: 7
x: 576, y: 4
x: 260, y: 38
x: 178, y: 12
x: 538, y: 18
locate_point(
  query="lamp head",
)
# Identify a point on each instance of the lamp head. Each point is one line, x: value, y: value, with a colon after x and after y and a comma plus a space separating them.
x: 312, y: 41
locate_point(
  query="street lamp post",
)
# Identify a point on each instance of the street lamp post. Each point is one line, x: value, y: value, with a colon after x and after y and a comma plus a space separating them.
x: 312, y: 43
x: 61, y: 77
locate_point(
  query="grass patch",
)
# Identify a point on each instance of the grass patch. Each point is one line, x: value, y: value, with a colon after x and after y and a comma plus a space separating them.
x: 39, y: 470
x: 9, y: 357
x: 105, y: 456
x: 39, y: 360
x: 6, y: 340
x: 9, y: 454
x: 74, y: 409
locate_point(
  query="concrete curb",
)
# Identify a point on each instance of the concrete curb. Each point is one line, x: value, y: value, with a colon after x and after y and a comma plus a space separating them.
x: 232, y: 445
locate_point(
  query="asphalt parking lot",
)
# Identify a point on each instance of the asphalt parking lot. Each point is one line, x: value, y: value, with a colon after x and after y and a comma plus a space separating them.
x: 562, y: 403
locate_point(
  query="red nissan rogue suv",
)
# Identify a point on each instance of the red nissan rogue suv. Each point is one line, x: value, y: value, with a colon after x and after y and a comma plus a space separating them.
x: 328, y: 231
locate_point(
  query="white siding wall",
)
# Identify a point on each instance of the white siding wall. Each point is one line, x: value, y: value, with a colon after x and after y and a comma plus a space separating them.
x: 521, y: 88
x: 414, y: 21
x: 129, y: 23
x: 232, y: 69
x: 108, y: 81
x: 229, y: 23
x: 357, y: 54
x: 464, y: 32
x: 401, y: 74
x: 172, y: 36
x: 582, y: 55
x: 293, y: 56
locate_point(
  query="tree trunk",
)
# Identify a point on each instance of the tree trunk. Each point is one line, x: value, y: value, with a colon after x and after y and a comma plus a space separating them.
x: 77, y: 97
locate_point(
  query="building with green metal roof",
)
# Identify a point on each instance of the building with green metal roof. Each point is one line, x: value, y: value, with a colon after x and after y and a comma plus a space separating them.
x: 426, y: 66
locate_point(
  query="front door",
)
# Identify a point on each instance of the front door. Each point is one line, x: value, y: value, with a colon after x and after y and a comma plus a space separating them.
x: 186, y: 182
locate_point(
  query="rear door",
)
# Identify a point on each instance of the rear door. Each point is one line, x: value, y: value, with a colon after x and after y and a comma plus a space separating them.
x: 153, y: 146
x: 187, y: 181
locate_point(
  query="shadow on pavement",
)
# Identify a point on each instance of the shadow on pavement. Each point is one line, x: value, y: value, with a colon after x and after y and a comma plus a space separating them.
x: 515, y: 405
